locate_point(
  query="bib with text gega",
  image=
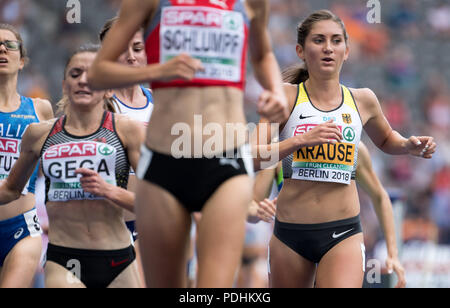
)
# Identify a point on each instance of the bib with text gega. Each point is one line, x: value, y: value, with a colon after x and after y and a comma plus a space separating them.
x: 60, y: 162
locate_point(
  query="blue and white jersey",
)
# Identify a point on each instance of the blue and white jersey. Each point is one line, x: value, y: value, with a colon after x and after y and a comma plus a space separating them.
x: 12, y: 128
x: 142, y: 114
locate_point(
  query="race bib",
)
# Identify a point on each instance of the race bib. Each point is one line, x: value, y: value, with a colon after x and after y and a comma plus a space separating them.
x: 60, y: 162
x: 216, y: 37
x: 326, y: 162
x: 9, y: 154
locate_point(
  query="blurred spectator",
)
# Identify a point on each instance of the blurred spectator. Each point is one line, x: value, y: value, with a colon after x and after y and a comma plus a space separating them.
x: 405, y: 19
x: 439, y: 18
x: 418, y: 225
x: 396, y: 112
x: 400, y: 68
x: 12, y: 12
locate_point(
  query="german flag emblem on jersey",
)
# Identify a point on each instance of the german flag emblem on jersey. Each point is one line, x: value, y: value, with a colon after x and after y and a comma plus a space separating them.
x: 347, y: 118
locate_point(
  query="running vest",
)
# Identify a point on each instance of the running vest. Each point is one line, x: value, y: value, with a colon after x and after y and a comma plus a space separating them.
x: 63, y: 153
x: 325, y: 162
x: 213, y: 31
x: 139, y: 114
x: 12, y: 128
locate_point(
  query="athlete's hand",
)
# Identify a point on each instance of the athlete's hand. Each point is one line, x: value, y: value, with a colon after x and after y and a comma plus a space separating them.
x: 423, y: 146
x: 92, y: 182
x: 273, y: 106
x: 264, y: 210
x: 182, y: 67
x: 267, y: 210
x: 327, y: 132
x: 394, y: 265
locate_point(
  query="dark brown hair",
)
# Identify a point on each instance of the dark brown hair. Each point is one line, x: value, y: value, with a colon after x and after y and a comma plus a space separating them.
x: 106, y: 27
x: 299, y: 73
x: 23, y: 50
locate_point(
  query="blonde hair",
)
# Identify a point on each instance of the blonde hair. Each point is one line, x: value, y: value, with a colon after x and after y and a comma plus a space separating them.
x: 64, y: 102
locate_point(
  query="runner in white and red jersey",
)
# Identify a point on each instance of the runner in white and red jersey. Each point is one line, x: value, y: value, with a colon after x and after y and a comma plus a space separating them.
x: 197, y: 52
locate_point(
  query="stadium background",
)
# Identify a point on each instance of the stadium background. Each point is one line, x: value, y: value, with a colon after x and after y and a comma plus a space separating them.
x: 404, y: 60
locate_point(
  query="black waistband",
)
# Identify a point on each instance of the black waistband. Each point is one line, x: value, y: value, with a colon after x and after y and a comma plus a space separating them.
x: 235, y: 153
x: 319, y: 226
x: 88, y: 252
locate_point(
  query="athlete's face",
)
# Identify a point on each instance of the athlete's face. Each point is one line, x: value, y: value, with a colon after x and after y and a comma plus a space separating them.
x: 325, y: 48
x: 75, y: 85
x: 135, y: 54
x: 10, y: 60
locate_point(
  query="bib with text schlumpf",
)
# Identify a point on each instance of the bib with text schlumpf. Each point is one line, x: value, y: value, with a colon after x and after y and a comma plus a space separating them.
x: 214, y: 36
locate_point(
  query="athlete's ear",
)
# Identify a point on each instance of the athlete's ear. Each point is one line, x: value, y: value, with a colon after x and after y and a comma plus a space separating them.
x: 64, y: 90
x: 347, y: 52
x: 300, y: 52
x: 22, y: 64
x: 109, y: 94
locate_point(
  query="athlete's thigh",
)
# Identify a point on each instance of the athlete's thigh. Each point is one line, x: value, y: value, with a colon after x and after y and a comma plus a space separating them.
x: 139, y: 263
x: 21, y: 263
x: 287, y: 268
x: 56, y: 276
x: 163, y: 225
x: 129, y: 278
x: 221, y: 232
x: 343, y: 265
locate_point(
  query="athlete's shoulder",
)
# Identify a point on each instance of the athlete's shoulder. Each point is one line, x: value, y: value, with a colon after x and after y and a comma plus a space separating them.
x: 125, y: 122
x: 129, y: 128
x: 364, y: 95
x: 37, y: 130
x: 291, y: 91
x: 44, y: 108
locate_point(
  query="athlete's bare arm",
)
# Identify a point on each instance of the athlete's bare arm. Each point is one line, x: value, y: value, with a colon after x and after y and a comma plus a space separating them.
x: 272, y: 103
x: 106, y: 73
x: 32, y: 142
x: 382, y: 134
x: 261, y: 190
x: 44, y: 109
x: 368, y: 180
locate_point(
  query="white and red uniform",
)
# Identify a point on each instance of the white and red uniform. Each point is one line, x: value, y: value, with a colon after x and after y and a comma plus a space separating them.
x: 213, y: 31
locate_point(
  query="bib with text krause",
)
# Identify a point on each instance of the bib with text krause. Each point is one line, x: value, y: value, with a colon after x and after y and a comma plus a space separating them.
x: 326, y: 162
x: 215, y: 37
x: 60, y: 162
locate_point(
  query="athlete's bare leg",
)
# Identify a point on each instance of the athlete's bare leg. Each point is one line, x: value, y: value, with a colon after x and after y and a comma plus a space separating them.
x: 21, y: 264
x: 221, y: 233
x: 164, y: 234
x: 287, y: 268
x: 342, y: 266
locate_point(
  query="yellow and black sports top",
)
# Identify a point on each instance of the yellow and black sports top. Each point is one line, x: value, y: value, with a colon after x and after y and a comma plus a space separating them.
x: 334, y: 163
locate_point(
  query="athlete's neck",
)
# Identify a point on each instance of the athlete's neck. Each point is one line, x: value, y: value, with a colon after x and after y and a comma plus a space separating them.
x: 132, y: 96
x: 9, y: 98
x: 325, y: 93
x: 83, y: 121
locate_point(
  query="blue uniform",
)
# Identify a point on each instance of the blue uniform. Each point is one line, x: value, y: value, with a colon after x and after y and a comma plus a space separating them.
x: 12, y: 128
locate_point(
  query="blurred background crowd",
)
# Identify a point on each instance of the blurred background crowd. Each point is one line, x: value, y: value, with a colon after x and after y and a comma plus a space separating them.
x: 403, y: 59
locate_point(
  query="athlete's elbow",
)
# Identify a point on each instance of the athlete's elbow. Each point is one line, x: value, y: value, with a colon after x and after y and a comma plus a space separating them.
x: 8, y: 196
x: 95, y: 79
